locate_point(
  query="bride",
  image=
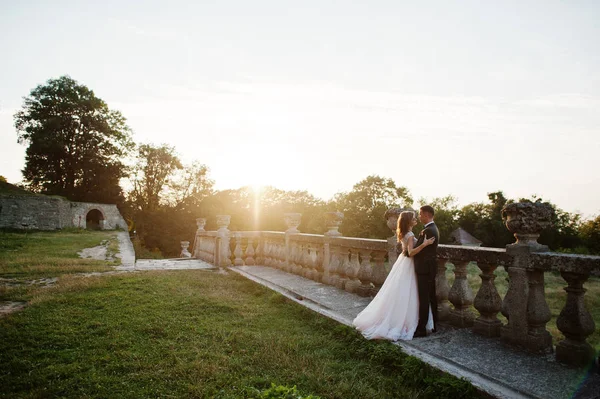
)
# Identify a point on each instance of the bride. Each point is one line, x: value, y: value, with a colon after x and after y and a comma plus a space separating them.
x: 394, y: 312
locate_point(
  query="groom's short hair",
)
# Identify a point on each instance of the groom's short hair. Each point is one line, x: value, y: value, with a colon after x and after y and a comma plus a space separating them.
x: 428, y: 209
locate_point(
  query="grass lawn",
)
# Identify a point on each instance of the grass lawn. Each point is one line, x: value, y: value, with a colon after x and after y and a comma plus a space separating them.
x: 172, y: 334
x: 195, y: 334
x: 49, y: 254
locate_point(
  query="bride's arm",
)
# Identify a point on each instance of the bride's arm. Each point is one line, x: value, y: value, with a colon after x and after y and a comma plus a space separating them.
x: 413, y: 251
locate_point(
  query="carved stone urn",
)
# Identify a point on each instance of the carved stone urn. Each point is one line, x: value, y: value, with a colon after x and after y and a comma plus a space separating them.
x: 333, y: 222
x: 292, y: 220
x: 526, y: 220
x: 223, y: 222
x: 184, y: 249
x: 201, y: 222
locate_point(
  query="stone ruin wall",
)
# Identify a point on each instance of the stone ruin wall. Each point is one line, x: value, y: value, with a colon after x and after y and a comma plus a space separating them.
x: 51, y: 213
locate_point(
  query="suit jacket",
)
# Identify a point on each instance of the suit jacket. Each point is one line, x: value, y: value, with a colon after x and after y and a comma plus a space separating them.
x: 425, y: 260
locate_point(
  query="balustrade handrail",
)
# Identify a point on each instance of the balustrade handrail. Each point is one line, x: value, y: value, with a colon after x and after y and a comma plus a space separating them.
x: 358, y: 265
x: 561, y: 262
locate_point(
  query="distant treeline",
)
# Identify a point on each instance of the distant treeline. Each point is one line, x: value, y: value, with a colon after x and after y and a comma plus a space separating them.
x: 80, y: 149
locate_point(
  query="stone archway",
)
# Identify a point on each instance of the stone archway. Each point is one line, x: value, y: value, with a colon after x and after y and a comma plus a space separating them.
x: 94, y: 220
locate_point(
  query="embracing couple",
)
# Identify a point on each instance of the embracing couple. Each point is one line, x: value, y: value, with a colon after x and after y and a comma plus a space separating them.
x: 406, y: 306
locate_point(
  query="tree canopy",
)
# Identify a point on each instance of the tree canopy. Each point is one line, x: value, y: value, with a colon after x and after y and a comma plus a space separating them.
x: 75, y: 142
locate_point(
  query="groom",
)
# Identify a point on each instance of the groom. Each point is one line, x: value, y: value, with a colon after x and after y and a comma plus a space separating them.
x: 426, y: 269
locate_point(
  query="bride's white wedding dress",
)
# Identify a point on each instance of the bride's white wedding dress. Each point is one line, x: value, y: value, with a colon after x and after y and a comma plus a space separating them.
x: 394, y: 312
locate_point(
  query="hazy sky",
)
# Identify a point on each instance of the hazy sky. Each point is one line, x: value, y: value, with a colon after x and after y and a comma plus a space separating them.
x: 445, y: 97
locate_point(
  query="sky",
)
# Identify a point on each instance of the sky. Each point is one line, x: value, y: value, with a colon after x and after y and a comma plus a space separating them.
x: 455, y: 98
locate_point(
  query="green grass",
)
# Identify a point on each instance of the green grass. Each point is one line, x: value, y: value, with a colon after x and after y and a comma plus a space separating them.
x: 555, y: 297
x: 43, y: 254
x: 196, y: 334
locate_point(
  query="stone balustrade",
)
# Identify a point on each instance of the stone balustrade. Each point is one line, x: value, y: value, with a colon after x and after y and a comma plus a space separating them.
x: 361, y: 266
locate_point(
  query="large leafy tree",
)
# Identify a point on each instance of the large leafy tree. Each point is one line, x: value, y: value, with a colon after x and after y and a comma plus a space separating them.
x: 152, y: 175
x: 364, y: 207
x: 75, y: 142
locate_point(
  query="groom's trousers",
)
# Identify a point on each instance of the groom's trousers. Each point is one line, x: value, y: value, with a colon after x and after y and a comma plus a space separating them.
x: 427, y: 297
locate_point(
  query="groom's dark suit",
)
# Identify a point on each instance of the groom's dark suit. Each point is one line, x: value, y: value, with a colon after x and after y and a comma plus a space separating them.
x: 426, y: 269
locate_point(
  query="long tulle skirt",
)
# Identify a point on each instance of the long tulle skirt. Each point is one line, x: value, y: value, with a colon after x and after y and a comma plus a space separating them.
x: 394, y: 312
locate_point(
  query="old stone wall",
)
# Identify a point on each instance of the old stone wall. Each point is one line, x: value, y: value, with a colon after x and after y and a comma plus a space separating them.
x: 41, y: 212
x: 110, y: 212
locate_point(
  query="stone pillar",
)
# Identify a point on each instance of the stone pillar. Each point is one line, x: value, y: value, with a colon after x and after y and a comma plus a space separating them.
x: 514, y: 306
x: 333, y: 222
x: 197, y: 248
x: 539, y: 339
x: 488, y: 303
x: 461, y: 297
x: 442, y: 289
x: 576, y: 323
x: 526, y: 319
x: 224, y: 234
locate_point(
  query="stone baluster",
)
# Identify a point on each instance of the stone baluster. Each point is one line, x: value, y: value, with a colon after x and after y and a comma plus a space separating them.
x: 352, y: 268
x: 249, y: 259
x: 365, y: 273
x: 442, y: 289
x: 539, y: 339
x: 488, y: 303
x: 237, y: 252
x: 461, y: 297
x: 298, y: 260
x: 259, y: 251
x: 312, y: 262
x: 342, y: 268
x: 576, y: 323
x: 292, y: 264
x: 378, y: 274
x: 319, y: 269
x: 282, y: 255
x: 334, y: 265
x: 305, y: 262
x: 266, y: 252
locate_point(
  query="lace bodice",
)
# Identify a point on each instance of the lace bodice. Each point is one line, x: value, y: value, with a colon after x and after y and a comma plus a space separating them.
x: 408, y: 236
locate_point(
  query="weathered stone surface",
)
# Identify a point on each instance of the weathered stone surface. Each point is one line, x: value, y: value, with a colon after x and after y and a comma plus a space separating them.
x: 41, y: 212
x: 526, y: 220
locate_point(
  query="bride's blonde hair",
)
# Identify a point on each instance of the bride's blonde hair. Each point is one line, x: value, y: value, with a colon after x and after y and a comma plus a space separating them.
x: 404, y: 221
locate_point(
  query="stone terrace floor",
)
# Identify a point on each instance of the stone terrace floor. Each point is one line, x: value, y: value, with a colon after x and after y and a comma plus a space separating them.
x: 486, y: 363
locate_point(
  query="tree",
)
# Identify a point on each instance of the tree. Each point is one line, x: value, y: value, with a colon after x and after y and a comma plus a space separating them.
x: 364, y: 207
x: 446, y: 215
x: 151, y: 175
x: 75, y: 142
x: 590, y: 234
x: 484, y: 221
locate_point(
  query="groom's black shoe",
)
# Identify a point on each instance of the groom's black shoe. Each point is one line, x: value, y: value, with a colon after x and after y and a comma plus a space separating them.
x: 420, y: 333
